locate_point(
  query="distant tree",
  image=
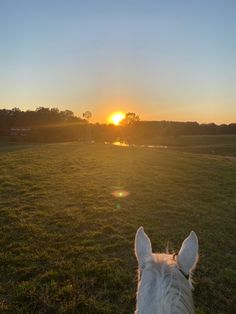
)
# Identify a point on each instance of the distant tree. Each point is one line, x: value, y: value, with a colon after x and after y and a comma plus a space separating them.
x: 130, y: 118
x: 87, y: 115
x: 67, y: 115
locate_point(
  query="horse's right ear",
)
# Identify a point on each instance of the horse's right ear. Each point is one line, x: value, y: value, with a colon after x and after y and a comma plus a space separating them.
x: 188, y: 254
x: 143, y: 247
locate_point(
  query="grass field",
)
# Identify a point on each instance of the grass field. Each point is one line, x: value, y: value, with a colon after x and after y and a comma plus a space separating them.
x: 67, y: 242
x: 224, y: 145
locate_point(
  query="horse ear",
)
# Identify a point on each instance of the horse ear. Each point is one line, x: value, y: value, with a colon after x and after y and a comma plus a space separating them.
x: 143, y: 247
x: 188, y: 254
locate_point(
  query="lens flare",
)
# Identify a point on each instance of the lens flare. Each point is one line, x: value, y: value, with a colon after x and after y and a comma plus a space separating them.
x: 120, y: 193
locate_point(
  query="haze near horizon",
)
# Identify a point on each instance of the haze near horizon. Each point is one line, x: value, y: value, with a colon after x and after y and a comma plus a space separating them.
x: 172, y: 60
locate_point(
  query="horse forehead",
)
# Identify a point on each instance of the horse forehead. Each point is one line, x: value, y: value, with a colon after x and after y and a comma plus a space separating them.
x: 160, y: 265
x: 162, y: 258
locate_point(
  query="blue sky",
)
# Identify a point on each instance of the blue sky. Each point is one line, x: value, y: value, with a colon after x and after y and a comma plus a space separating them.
x: 172, y: 59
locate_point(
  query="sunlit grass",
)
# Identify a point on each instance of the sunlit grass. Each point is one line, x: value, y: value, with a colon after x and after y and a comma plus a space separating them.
x: 67, y: 241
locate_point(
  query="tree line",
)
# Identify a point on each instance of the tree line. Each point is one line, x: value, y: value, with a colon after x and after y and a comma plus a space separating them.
x: 41, y: 116
x: 45, y: 125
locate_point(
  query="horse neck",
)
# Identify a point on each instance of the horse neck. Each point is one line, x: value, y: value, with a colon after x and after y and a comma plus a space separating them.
x: 163, y: 290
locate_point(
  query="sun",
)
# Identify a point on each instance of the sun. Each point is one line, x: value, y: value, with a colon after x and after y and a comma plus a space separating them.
x: 117, y: 117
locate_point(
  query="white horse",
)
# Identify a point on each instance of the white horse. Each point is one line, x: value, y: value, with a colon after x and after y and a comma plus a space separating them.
x: 164, y: 285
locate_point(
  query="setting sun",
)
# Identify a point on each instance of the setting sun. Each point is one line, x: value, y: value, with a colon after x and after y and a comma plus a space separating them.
x: 117, y: 117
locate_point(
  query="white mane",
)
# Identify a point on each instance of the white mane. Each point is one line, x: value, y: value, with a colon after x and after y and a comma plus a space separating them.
x: 163, y: 287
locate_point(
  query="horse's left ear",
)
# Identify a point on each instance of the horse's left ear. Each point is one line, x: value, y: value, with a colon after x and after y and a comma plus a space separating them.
x: 188, y: 254
x: 143, y: 247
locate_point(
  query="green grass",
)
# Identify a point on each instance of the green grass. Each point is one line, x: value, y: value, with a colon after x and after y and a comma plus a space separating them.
x: 202, y: 140
x: 6, y: 145
x: 224, y: 145
x: 204, y: 144
x: 67, y: 243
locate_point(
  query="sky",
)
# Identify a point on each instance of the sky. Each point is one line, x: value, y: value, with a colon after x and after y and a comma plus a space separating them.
x: 164, y: 60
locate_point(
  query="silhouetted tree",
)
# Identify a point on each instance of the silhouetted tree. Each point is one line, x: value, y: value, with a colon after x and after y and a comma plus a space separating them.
x: 87, y: 115
x: 130, y: 118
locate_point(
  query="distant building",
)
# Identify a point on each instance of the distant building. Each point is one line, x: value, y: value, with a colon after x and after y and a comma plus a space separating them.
x: 18, y: 134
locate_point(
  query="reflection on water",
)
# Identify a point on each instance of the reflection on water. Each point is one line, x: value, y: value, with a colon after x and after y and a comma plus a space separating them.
x: 117, y: 143
x: 123, y: 144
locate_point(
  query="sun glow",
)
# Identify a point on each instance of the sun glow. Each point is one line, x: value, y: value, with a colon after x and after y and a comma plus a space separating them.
x: 116, y: 117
